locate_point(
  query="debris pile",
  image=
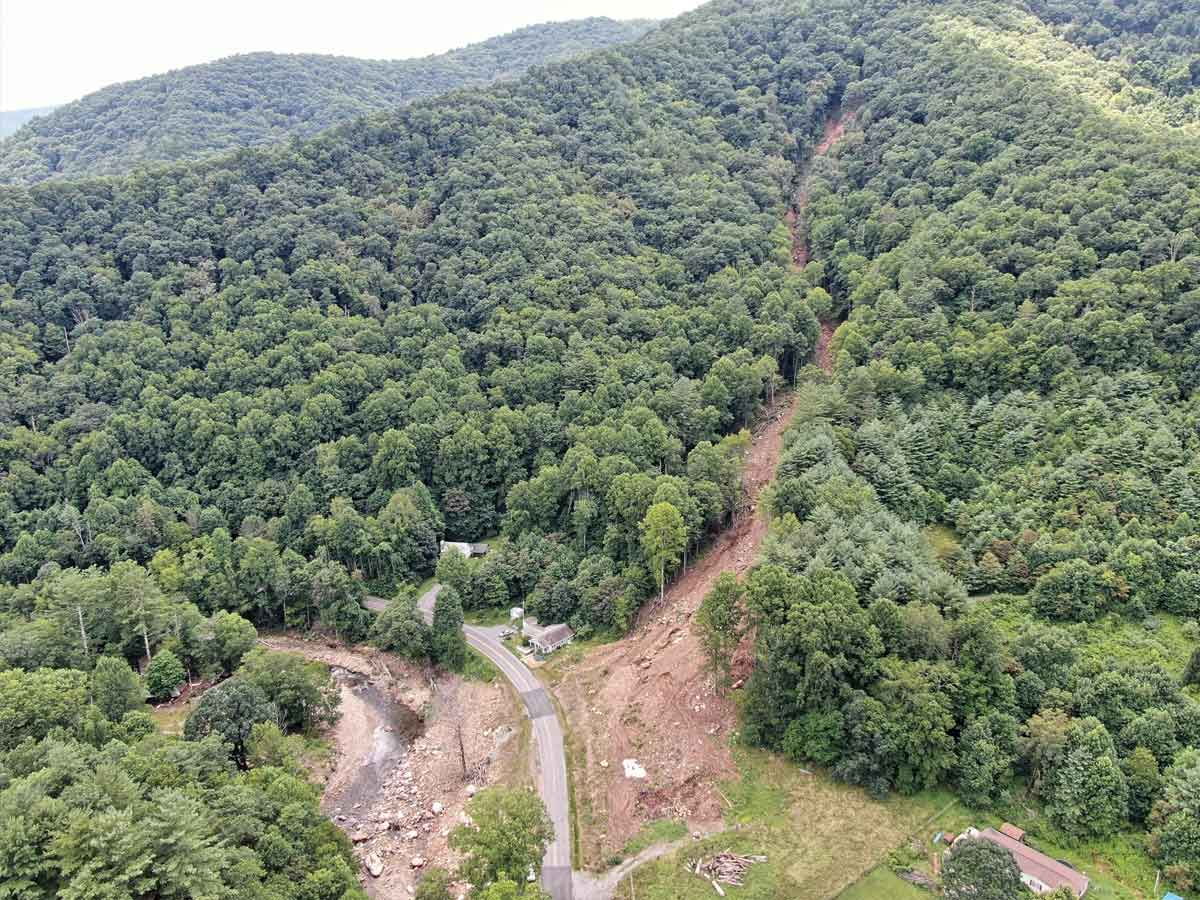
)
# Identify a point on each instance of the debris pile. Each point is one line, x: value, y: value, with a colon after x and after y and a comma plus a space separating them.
x: 724, y: 868
x: 920, y: 879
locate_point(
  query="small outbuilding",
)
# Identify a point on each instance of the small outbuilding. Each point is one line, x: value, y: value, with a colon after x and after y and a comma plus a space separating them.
x: 1012, y: 831
x: 466, y: 549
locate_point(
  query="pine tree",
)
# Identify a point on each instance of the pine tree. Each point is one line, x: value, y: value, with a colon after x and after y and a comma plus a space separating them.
x: 1088, y: 793
x: 164, y: 674
x: 1191, y: 674
x: 115, y: 688
x: 720, y: 624
x: 449, y: 645
x: 664, y: 537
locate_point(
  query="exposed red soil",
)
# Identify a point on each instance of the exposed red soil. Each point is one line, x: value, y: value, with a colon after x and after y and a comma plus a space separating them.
x: 650, y: 697
x: 824, y: 355
x: 835, y: 128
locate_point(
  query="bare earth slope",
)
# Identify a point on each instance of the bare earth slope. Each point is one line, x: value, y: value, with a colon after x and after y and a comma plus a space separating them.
x: 649, y: 697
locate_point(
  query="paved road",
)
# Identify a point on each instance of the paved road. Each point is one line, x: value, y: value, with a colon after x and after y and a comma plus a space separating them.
x: 547, y: 734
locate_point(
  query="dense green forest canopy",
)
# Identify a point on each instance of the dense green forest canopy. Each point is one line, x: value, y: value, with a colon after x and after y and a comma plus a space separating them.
x: 540, y: 308
x: 266, y: 383
x: 263, y: 98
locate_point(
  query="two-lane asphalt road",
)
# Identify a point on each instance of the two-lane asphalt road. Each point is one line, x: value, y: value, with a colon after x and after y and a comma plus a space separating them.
x: 547, y: 734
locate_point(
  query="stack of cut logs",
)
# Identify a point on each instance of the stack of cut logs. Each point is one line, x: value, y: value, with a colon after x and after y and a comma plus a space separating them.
x: 724, y: 868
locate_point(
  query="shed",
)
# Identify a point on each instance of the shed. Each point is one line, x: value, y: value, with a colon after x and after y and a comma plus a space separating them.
x: 1012, y: 831
x: 466, y: 549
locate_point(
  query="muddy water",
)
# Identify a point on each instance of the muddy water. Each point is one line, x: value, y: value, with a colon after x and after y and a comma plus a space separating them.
x: 373, y: 734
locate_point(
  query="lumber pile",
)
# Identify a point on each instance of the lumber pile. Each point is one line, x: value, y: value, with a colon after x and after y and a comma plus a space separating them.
x: 920, y: 879
x: 724, y: 868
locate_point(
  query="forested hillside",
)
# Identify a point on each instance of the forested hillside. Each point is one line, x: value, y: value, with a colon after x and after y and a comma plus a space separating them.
x: 263, y: 98
x: 265, y: 382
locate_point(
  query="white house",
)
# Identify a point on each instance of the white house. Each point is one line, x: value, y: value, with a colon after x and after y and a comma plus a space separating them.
x: 466, y: 549
x: 546, y: 639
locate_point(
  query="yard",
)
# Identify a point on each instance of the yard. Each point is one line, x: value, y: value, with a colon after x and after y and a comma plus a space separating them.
x: 169, y: 717
x: 824, y: 839
x: 1118, y: 867
x: 819, y: 836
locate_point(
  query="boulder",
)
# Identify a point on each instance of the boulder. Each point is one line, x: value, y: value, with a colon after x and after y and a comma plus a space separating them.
x: 437, y: 808
x: 374, y: 865
x: 417, y: 862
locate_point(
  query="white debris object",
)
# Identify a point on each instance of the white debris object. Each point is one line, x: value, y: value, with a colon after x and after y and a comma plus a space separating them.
x: 633, y: 769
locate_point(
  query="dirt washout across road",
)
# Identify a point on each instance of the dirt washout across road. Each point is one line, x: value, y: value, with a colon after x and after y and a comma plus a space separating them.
x: 650, y: 698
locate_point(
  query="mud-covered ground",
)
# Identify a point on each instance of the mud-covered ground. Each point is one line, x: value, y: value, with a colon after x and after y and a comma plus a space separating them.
x: 396, y: 784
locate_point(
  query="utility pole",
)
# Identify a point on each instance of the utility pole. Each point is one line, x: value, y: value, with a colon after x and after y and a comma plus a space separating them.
x: 462, y: 750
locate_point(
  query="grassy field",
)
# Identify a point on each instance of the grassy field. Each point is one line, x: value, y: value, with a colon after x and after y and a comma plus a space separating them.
x: 661, y: 832
x: 1118, y: 867
x: 1162, y: 638
x: 819, y: 835
x: 882, y: 883
x: 170, y: 718
x: 489, y: 616
x: 825, y: 839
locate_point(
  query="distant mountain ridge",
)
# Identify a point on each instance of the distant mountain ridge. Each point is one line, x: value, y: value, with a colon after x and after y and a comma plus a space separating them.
x: 260, y: 98
x: 11, y: 120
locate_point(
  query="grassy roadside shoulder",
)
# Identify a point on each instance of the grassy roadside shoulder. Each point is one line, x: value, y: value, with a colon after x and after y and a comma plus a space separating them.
x: 583, y: 817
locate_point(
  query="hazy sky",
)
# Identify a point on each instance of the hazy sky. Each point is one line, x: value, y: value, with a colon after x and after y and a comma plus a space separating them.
x: 52, y: 51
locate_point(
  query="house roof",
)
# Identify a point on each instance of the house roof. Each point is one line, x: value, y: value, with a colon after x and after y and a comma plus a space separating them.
x: 1017, y: 834
x: 1048, y: 871
x: 556, y: 634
